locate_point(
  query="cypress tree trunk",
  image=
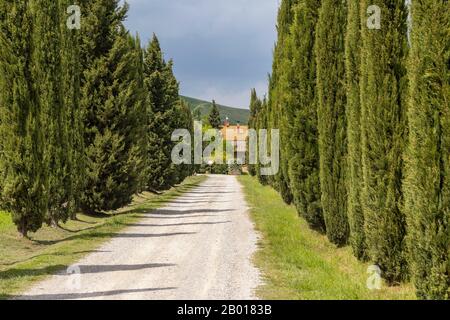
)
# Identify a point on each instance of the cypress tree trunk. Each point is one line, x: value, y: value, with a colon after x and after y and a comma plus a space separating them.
x: 427, y: 183
x: 21, y: 142
x: 355, y: 183
x: 383, y: 129
x: 331, y: 93
x: 301, y: 115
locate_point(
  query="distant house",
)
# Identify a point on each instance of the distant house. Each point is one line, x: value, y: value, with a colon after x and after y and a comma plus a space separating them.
x: 237, y: 135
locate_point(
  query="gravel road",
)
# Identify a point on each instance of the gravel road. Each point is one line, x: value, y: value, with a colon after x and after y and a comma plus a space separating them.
x: 198, y: 247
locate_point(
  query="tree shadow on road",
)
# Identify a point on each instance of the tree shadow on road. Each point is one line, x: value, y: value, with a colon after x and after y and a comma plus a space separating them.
x: 174, y: 217
x: 174, y: 224
x: 193, y: 201
x: 110, y: 235
x: 53, y: 255
x: 169, y: 212
x: 92, y: 295
x: 87, y: 269
x: 211, y: 192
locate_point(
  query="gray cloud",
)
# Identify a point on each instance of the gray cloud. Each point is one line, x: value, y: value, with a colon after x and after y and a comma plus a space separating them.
x: 221, y: 48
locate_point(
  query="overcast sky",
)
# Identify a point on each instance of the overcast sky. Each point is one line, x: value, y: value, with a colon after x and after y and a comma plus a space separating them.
x: 221, y: 48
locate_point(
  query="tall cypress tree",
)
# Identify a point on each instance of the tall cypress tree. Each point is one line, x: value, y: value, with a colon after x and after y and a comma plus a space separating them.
x: 162, y: 88
x: 255, y: 107
x: 261, y: 124
x: 214, y: 116
x: 184, y: 120
x: 100, y: 21
x: 301, y: 115
x: 111, y: 100
x: 427, y: 183
x: 21, y: 143
x: 142, y: 103
x: 383, y: 130
x: 354, y: 182
x: 71, y: 66
x: 330, y: 58
x: 48, y: 77
x: 277, y: 104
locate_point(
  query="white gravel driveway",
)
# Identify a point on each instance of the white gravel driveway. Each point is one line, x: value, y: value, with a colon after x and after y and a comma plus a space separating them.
x: 198, y: 247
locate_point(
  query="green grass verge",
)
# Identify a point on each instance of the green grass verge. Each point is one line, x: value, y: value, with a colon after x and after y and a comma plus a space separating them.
x: 23, y: 261
x: 298, y: 263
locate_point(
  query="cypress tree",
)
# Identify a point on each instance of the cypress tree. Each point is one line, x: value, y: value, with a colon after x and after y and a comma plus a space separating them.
x: 355, y: 183
x: 142, y: 103
x: 427, y: 183
x: 255, y: 106
x: 301, y: 115
x: 261, y: 124
x: 330, y: 58
x: 71, y: 66
x: 111, y: 102
x: 383, y: 130
x: 100, y: 21
x: 162, y: 88
x: 197, y: 114
x: 48, y: 77
x: 21, y: 142
x: 214, y: 116
x: 184, y: 121
x: 277, y: 114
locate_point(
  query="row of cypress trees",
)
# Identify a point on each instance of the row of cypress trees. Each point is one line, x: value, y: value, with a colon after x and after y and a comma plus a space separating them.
x: 86, y: 116
x: 364, y: 117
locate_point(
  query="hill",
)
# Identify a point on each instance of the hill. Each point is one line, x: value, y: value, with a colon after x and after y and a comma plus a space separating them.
x: 234, y: 115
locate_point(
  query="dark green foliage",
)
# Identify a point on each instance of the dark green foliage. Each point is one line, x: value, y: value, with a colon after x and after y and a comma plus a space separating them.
x: 184, y: 121
x: 255, y: 108
x: 277, y: 104
x: 111, y: 102
x: 21, y: 142
x: 142, y: 104
x: 354, y: 182
x: 383, y: 130
x: 427, y: 183
x: 301, y: 115
x: 78, y: 109
x: 197, y: 114
x: 261, y: 123
x: 162, y: 88
x: 214, y: 116
x: 48, y: 77
x: 71, y: 68
x: 100, y: 22
x: 345, y: 117
x: 332, y: 122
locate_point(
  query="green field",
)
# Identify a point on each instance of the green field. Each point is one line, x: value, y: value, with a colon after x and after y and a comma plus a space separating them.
x: 235, y: 115
x: 23, y: 261
x: 298, y: 263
